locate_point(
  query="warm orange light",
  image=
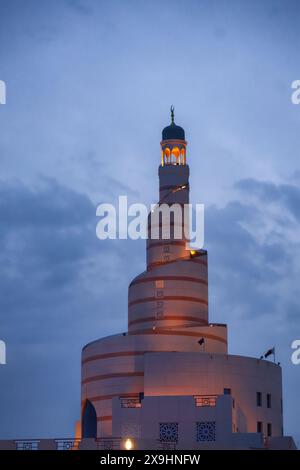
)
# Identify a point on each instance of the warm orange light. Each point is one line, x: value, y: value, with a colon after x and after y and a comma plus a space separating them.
x: 176, y: 152
x: 128, y: 444
x: 179, y: 189
x: 193, y: 252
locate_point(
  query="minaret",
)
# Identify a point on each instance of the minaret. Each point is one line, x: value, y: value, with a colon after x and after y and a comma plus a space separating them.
x: 173, y: 291
x: 173, y: 189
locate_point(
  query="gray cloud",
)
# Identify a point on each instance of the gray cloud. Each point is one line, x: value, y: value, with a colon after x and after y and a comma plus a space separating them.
x: 57, y: 291
x: 257, y: 267
x: 254, y: 280
x: 287, y: 195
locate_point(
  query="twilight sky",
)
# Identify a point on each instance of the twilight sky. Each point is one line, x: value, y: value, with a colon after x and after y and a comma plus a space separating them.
x: 89, y: 87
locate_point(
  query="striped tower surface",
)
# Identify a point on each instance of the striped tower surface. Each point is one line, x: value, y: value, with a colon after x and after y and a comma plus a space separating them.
x: 174, y: 289
x: 167, y: 303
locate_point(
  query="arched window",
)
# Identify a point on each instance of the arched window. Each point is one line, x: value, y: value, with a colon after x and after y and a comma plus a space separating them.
x: 175, y: 154
x: 183, y: 156
x: 89, y: 420
x: 167, y: 155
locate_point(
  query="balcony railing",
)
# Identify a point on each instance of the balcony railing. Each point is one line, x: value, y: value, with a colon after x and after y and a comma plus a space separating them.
x: 108, y: 444
x: 50, y: 444
x: 28, y: 444
x: 130, y: 403
x: 205, y: 400
x: 67, y: 444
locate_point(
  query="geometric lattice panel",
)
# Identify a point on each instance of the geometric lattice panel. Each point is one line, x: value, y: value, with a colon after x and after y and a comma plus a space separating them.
x: 131, y: 430
x: 206, y: 431
x: 168, y: 432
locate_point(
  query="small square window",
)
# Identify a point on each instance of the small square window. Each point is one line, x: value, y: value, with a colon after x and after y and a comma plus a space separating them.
x: 227, y: 391
x: 159, y: 284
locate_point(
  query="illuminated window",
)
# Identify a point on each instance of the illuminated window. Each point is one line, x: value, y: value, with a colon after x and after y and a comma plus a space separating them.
x: 167, y: 155
x: 176, y: 154
x: 159, y: 284
x: 182, y: 156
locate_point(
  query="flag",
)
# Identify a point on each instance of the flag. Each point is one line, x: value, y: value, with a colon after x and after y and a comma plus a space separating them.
x: 270, y: 352
x: 201, y: 341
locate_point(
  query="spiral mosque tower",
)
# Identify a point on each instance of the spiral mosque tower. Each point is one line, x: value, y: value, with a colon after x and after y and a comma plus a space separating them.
x: 172, y: 367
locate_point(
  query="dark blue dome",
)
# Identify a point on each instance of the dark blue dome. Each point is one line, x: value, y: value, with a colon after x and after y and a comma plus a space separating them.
x: 173, y: 132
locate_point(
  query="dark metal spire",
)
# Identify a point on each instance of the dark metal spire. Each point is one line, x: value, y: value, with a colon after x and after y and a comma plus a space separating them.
x: 172, y: 114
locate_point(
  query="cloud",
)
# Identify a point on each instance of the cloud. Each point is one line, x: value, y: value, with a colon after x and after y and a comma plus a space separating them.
x: 285, y: 195
x: 57, y: 292
x: 254, y: 272
x: 256, y: 247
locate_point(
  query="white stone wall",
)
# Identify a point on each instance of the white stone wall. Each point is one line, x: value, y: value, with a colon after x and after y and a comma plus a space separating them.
x: 196, y: 374
x: 193, y: 427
